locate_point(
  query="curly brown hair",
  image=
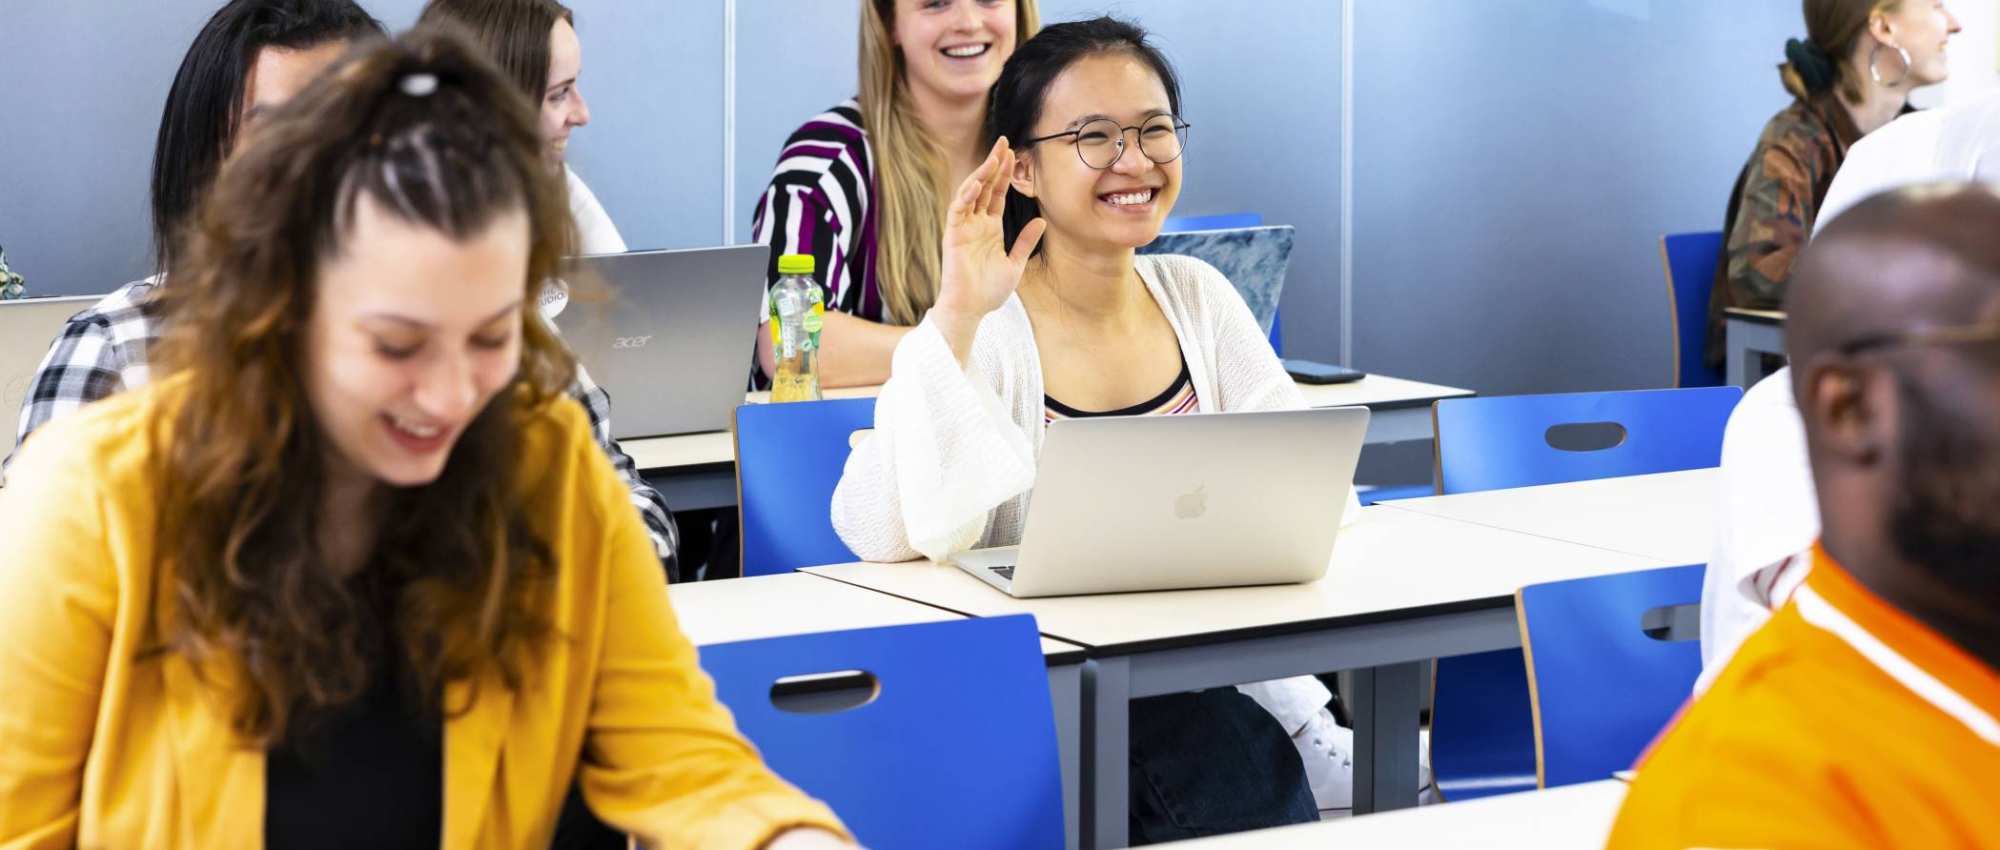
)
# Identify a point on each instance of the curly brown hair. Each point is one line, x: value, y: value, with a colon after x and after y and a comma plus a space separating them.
x: 431, y: 131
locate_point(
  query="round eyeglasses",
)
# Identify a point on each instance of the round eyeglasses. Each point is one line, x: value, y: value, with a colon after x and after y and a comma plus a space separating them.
x: 1100, y: 142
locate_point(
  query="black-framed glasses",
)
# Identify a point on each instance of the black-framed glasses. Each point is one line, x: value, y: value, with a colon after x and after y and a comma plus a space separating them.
x: 1955, y: 335
x: 1100, y: 142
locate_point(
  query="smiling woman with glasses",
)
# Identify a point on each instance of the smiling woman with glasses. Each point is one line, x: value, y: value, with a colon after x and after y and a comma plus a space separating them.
x: 1045, y: 312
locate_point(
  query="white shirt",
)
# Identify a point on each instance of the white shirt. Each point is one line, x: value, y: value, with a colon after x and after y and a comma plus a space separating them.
x: 1766, y: 520
x: 593, y: 225
x: 1951, y: 143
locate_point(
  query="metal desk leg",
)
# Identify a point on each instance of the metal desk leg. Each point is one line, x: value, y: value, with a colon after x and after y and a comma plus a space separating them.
x: 1066, y: 697
x: 1107, y: 745
x: 1385, y: 736
x: 1738, y: 353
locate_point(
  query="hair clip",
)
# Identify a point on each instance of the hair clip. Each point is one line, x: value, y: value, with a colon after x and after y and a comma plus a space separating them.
x: 418, y: 84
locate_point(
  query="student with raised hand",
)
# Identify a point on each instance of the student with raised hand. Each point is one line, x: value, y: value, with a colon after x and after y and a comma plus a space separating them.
x: 1866, y: 713
x: 1069, y: 322
x: 351, y: 571
x: 863, y: 187
x: 1852, y: 74
x: 249, y: 58
x: 535, y: 43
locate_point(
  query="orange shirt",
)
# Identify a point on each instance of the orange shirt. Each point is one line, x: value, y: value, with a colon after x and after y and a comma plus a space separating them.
x: 1842, y: 723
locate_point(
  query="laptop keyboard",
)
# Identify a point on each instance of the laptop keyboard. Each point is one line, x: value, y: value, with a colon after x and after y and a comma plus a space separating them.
x: 1006, y: 572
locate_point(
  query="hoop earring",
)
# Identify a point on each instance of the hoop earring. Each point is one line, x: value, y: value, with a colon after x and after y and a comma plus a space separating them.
x: 1877, y: 75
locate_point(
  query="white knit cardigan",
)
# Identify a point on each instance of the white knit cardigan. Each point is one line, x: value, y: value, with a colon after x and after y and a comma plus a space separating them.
x: 951, y: 462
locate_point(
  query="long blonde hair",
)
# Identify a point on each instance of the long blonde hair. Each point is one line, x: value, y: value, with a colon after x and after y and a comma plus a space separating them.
x: 910, y: 169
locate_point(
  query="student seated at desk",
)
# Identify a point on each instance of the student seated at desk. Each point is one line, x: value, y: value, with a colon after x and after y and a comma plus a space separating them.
x: 352, y: 572
x: 535, y: 44
x: 1866, y: 713
x: 1768, y: 520
x: 1072, y: 324
x: 860, y: 186
x: 249, y: 58
x: 1852, y: 74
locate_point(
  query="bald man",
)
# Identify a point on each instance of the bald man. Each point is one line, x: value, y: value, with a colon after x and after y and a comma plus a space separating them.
x: 1866, y: 713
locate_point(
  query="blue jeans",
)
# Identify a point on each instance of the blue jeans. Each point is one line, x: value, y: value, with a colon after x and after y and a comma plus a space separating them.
x: 1209, y: 763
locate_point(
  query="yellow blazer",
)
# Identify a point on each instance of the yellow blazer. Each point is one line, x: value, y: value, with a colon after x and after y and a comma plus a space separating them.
x: 99, y: 748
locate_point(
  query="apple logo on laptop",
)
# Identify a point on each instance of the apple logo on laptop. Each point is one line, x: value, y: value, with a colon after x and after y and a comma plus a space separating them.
x: 1192, y: 505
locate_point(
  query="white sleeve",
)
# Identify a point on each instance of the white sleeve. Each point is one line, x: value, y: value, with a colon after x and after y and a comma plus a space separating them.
x: 595, y: 231
x: 1767, y: 517
x: 943, y: 455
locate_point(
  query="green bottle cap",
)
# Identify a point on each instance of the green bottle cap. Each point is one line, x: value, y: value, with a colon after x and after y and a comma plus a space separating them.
x: 795, y: 264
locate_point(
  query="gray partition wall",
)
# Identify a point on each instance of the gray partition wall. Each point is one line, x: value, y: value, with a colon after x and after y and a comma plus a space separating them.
x: 1515, y: 163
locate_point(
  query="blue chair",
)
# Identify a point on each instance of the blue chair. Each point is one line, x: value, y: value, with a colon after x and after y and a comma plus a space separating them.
x: 957, y: 747
x: 1224, y: 221
x: 1690, y: 260
x: 1252, y: 291
x: 788, y: 460
x: 1254, y: 259
x: 1482, y: 716
x: 1603, y: 688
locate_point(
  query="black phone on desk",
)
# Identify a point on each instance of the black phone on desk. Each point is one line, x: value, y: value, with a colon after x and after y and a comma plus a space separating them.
x: 1314, y: 372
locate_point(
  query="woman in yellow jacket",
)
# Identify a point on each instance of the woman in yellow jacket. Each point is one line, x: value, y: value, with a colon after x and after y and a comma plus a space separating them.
x: 352, y: 573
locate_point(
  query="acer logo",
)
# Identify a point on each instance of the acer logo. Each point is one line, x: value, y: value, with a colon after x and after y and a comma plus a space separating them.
x: 631, y: 341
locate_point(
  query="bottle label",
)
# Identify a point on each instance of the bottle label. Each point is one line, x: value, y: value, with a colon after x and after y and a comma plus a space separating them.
x: 811, y: 322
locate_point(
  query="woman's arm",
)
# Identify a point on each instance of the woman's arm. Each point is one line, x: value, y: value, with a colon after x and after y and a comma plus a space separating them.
x: 853, y: 352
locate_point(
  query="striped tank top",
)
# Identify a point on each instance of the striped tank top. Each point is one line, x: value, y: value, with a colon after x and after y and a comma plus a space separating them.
x: 1177, y: 399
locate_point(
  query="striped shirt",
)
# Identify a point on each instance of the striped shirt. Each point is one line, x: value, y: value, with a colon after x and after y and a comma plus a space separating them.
x: 1175, y: 400
x: 820, y: 202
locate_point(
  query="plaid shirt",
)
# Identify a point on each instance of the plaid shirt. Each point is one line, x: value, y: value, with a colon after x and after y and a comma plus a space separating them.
x: 104, y: 349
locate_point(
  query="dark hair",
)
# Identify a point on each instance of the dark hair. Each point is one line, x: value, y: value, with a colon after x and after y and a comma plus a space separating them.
x: 205, y: 105
x: 1015, y: 104
x: 514, y: 33
x: 426, y: 128
x: 1833, y: 27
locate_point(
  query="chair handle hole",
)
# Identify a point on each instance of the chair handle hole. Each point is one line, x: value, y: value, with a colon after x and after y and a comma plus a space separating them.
x: 855, y: 439
x: 825, y: 693
x: 1672, y: 623
x: 1585, y: 436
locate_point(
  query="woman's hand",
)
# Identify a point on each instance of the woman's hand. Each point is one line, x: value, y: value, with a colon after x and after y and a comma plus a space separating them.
x: 979, y: 272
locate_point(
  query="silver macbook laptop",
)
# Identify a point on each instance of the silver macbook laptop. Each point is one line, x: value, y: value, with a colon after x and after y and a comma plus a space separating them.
x: 1172, y: 502
x: 669, y: 339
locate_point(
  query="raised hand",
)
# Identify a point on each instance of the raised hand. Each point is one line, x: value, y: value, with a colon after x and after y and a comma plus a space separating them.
x: 979, y: 271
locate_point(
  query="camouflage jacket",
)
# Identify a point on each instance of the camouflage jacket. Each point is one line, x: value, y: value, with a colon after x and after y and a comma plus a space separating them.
x: 1772, y: 207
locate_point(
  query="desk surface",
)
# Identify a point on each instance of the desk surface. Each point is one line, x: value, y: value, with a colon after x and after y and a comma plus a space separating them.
x: 682, y: 451
x: 1670, y: 516
x: 1391, y: 565
x: 1762, y: 317
x: 1574, y: 816
x: 729, y: 610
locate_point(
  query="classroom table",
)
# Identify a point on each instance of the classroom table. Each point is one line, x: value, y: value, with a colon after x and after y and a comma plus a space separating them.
x: 1669, y: 516
x: 1403, y: 587
x: 1573, y: 817
x: 1748, y: 335
x: 730, y: 610
x: 695, y: 471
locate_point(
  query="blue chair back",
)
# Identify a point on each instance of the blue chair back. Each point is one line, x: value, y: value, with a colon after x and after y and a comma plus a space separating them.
x: 1503, y: 441
x: 1603, y: 688
x: 1224, y: 221
x: 1690, y: 260
x: 1482, y: 723
x: 788, y: 460
x: 957, y: 748
x: 1254, y: 259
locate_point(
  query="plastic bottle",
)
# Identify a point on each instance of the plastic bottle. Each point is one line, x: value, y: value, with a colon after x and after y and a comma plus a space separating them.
x: 797, y: 312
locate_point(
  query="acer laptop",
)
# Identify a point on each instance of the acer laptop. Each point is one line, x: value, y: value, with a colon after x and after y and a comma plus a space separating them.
x: 666, y: 333
x: 1176, y: 502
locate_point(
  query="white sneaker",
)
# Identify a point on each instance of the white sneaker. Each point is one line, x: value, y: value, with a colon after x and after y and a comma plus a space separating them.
x: 1328, y: 752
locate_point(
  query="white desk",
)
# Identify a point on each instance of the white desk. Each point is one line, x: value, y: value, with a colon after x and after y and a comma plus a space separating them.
x: 1748, y: 335
x: 1669, y: 517
x: 698, y: 470
x: 1404, y: 587
x: 729, y: 610
x: 1574, y: 817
